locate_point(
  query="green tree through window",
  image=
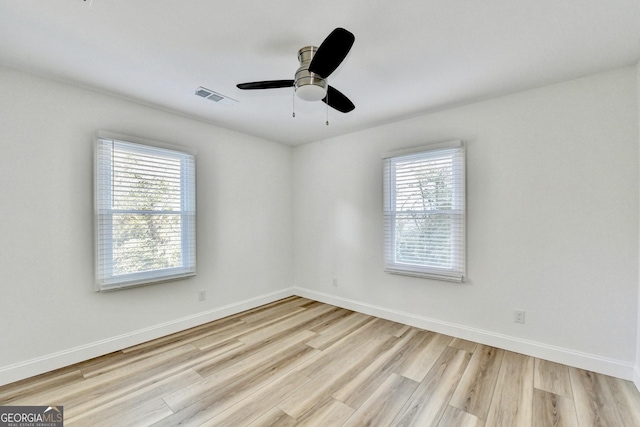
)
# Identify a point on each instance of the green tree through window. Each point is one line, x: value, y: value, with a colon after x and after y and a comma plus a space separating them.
x: 146, y: 220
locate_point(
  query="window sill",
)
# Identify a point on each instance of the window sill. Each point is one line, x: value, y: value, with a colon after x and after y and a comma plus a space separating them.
x: 453, y: 277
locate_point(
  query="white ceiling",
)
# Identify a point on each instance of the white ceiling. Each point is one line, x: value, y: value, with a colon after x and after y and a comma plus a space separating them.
x: 409, y: 57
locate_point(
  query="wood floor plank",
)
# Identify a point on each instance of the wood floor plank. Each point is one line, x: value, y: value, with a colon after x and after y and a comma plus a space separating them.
x: 339, y: 330
x: 402, y: 330
x: 303, y: 302
x: 421, y: 359
x: 92, y: 411
x: 552, y: 410
x: 333, y: 374
x: 201, y: 407
x: 248, y: 410
x: 384, y: 403
x: 131, y: 357
x: 356, y: 391
x: 552, y: 377
x: 454, y: 417
x: 141, y: 387
x: 255, y: 332
x: 595, y: 405
x: 427, y: 404
x: 475, y: 391
x: 259, y: 359
x: 126, y: 378
x: 223, y: 335
x: 24, y: 390
x: 295, y: 321
x: 325, y: 320
x: 277, y: 312
x: 392, y: 328
x: 246, y: 355
x: 345, y: 349
x: 183, y: 337
x: 465, y: 345
x: 100, y: 394
x: 237, y: 355
x: 627, y: 398
x: 297, y: 302
x: 274, y: 418
x: 512, y: 402
x: 328, y: 413
x: 140, y: 416
x: 329, y: 322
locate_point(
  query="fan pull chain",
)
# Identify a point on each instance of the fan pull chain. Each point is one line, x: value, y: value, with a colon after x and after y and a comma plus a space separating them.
x: 327, y: 99
x: 294, y: 102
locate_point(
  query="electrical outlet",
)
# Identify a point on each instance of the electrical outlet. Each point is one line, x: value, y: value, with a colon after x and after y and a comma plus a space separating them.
x: 518, y: 316
x: 334, y: 282
x: 202, y: 295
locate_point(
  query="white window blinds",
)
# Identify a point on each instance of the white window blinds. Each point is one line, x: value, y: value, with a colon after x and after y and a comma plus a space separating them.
x: 424, y: 212
x: 145, y: 208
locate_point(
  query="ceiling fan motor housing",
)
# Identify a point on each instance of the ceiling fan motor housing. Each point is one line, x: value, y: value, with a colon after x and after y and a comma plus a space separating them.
x: 309, y: 86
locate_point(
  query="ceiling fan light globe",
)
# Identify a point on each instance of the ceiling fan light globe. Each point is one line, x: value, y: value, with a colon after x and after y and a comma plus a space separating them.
x: 311, y: 92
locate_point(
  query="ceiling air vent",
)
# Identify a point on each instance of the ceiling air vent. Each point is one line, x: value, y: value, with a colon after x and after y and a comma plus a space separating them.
x: 214, y: 96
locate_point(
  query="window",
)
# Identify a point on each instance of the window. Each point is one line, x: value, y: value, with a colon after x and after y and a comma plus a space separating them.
x: 424, y: 212
x: 145, y: 212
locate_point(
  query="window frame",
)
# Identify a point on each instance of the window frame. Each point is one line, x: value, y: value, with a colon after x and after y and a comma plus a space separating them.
x: 104, y: 211
x: 457, y: 271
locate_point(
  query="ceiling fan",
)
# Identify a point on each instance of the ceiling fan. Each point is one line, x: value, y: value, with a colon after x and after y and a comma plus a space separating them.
x: 316, y: 64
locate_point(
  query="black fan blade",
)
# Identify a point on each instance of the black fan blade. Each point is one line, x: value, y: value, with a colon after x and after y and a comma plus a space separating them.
x: 335, y: 99
x: 332, y: 52
x: 269, y: 84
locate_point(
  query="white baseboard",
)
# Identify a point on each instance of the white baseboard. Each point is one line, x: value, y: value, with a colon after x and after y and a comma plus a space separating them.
x: 50, y: 362
x: 636, y: 377
x: 590, y: 362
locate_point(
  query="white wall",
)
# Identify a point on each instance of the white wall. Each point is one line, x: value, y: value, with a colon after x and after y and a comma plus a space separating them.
x: 636, y: 377
x: 553, y: 201
x: 49, y: 313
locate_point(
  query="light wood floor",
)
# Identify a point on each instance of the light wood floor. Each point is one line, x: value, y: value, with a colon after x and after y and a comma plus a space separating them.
x: 300, y: 362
